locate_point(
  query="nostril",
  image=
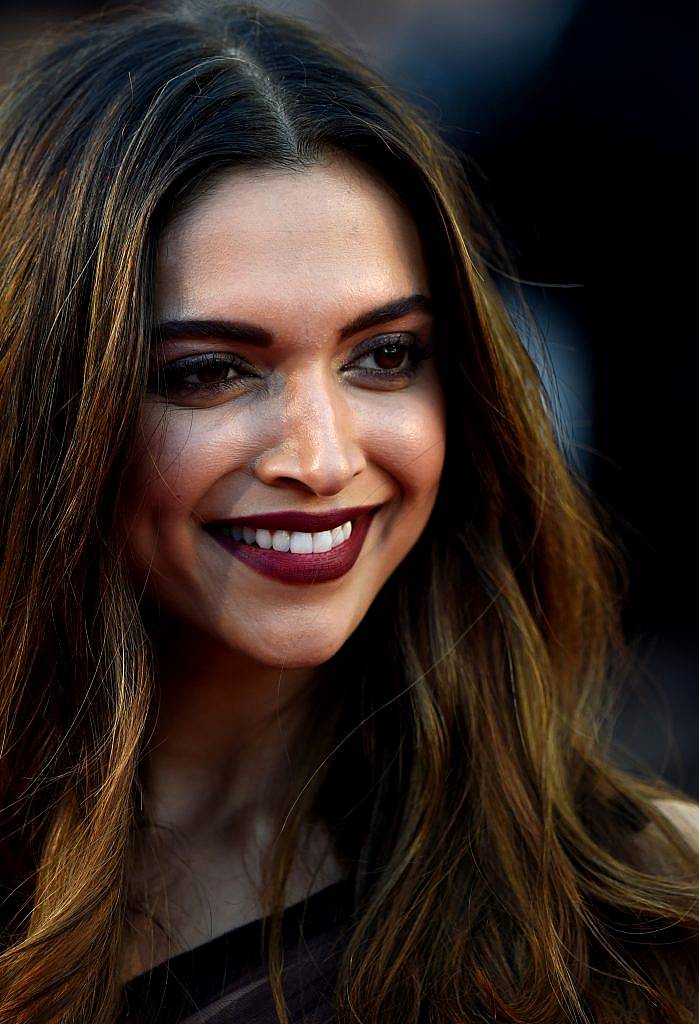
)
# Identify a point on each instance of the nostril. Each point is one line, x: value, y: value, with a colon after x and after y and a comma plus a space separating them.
x: 324, y: 463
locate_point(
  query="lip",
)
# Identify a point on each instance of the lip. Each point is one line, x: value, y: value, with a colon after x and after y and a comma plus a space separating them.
x: 302, y: 522
x: 292, y: 568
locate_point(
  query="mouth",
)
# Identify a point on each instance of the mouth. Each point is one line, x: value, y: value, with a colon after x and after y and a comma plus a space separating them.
x: 293, y: 555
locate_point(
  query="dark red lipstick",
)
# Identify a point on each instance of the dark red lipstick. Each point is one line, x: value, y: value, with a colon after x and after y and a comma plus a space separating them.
x: 287, y: 566
x: 305, y: 522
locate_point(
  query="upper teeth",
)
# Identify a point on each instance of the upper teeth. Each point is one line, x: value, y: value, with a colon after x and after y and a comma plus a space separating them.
x: 295, y: 541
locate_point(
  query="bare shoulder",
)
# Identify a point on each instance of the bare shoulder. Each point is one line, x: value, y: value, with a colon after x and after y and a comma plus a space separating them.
x: 684, y: 815
x: 651, y: 852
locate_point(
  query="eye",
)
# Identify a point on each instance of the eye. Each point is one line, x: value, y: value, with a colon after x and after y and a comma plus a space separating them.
x: 209, y: 373
x: 395, y: 356
x: 390, y: 357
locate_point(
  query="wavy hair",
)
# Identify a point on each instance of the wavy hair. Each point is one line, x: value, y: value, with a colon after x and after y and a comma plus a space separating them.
x: 500, y: 870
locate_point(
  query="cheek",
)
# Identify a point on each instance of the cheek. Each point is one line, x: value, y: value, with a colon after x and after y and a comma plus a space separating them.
x: 408, y: 441
x: 177, y: 459
x: 158, y: 479
x: 180, y: 454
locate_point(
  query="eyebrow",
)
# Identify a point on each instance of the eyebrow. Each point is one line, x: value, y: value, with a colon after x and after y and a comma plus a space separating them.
x: 252, y: 334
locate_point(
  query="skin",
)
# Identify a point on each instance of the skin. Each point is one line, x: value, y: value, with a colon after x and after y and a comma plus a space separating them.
x: 301, y: 254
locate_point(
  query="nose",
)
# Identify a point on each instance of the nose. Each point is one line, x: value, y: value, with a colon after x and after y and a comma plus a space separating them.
x: 316, y: 440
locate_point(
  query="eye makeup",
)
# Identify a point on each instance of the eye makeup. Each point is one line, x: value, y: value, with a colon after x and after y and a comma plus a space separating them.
x: 215, y: 373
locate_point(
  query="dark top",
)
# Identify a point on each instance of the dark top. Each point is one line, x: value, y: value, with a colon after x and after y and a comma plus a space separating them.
x: 225, y: 980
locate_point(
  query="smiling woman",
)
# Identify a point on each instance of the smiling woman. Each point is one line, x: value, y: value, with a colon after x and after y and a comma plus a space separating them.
x: 306, y: 622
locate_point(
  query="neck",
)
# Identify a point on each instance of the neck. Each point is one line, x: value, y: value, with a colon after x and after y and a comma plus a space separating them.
x: 223, y: 759
x: 225, y: 732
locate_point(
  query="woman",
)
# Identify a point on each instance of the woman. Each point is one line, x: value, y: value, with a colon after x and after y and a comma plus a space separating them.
x: 305, y: 619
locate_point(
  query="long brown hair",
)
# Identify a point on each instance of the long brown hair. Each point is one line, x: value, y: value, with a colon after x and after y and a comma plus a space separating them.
x: 497, y: 865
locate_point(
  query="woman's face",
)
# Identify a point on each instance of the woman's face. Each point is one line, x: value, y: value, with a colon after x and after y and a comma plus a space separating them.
x: 298, y: 380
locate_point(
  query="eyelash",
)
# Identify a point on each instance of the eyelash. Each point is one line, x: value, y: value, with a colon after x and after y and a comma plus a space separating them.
x: 168, y: 378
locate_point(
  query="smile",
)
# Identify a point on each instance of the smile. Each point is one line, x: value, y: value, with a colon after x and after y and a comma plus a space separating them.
x: 296, y: 541
x: 296, y: 556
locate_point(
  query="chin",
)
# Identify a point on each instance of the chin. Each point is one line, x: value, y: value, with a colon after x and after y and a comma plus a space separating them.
x: 285, y: 655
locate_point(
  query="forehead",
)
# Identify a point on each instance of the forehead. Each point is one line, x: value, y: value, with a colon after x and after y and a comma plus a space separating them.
x: 316, y: 240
